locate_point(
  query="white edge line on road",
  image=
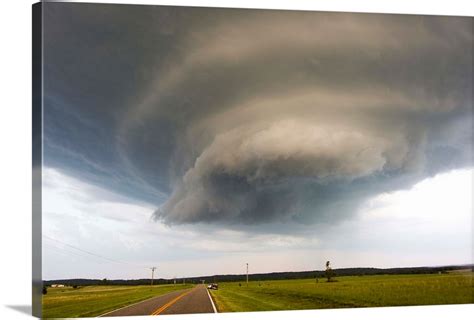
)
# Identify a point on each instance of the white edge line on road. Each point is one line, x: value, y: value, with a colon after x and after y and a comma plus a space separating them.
x: 212, y: 301
x: 129, y: 305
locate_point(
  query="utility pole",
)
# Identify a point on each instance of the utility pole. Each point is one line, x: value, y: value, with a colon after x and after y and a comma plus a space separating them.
x: 152, y: 274
x: 247, y: 274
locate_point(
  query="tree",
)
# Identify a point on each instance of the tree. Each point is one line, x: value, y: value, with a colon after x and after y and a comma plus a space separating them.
x: 329, y: 272
x: 45, y: 290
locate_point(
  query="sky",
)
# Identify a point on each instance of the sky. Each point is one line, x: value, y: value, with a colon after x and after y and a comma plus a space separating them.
x: 197, y: 140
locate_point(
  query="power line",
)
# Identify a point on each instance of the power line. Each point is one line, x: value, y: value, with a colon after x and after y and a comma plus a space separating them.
x: 92, y: 254
x: 66, y: 252
x: 69, y: 252
x: 81, y: 250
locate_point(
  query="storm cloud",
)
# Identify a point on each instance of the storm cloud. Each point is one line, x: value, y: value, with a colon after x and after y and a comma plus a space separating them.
x: 236, y: 116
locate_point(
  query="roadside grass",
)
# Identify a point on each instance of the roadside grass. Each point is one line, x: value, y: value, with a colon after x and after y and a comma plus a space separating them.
x: 347, y: 292
x: 91, y: 301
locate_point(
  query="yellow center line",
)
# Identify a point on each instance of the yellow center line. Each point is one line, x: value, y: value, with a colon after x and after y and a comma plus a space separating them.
x: 169, y: 304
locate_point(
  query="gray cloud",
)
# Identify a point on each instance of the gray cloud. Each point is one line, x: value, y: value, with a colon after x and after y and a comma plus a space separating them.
x: 238, y: 116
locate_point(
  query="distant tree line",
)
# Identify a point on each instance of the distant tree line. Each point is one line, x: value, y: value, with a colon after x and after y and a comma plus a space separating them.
x: 264, y: 276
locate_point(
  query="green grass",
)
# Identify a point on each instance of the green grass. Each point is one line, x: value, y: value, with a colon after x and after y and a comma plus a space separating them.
x: 91, y: 301
x: 350, y: 291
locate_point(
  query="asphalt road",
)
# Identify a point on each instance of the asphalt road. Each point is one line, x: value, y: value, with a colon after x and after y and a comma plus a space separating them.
x: 195, y: 300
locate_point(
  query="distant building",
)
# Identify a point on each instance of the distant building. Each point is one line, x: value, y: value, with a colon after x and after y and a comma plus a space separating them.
x: 57, y: 286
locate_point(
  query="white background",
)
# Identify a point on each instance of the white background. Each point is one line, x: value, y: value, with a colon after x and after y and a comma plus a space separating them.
x: 15, y: 152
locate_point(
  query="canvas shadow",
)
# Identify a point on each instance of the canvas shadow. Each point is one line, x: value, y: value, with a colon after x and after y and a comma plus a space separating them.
x: 25, y: 309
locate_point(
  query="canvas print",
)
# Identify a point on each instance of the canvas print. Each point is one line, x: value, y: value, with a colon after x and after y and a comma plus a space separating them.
x: 200, y: 160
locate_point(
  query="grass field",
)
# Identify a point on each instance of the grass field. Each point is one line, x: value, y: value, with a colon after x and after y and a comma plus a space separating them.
x: 92, y: 301
x: 347, y: 292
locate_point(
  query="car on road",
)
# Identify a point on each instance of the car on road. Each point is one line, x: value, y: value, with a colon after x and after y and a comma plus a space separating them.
x: 213, y: 286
